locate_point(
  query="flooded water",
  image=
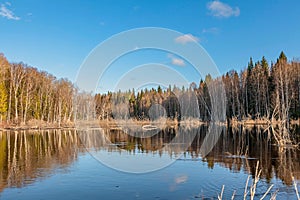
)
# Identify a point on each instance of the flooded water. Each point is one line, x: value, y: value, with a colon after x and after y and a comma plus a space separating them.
x: 63, y: 164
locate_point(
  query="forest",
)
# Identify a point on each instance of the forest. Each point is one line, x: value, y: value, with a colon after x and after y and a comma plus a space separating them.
x: 259, y: 91
x: 29, y: 95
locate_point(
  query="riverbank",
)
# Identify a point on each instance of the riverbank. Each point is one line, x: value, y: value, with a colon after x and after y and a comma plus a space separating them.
x: 36, y: 125
x: 260, y: 121
x: 117, y: 124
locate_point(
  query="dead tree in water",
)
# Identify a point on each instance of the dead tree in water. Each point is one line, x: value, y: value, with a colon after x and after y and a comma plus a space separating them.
x: 282, y: 74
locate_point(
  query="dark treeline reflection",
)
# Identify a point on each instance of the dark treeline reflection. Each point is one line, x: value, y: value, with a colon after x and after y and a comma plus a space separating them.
x: 28, y: 155
x: 241, y: 148
x: 238, y: 149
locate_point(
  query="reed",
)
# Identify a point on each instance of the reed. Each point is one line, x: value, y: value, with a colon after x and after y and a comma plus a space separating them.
x: 296, y: 189
x: 252, y: 188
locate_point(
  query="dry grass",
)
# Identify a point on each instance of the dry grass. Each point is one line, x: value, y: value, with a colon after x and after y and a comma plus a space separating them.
x: 252, y: 188
x: 160, y: 123
x: 296, y: 189
x: 295, y: 122
x: 221, y: 194
x: 34, y: 124
x: 233, y: 195
x: 248, y: 121
x: 255, y: 181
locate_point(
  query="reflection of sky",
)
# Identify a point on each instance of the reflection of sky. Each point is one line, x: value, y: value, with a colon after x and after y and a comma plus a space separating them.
x: 137, y: 162
x: 184, y: 179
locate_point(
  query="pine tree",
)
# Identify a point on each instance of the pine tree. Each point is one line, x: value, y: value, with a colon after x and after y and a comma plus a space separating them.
x: 282, y: 57
x: 250, y: 65
x: 159, y: 90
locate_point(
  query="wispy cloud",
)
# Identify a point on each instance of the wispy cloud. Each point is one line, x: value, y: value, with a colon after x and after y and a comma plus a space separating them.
x: 186, y: 38
x: 222, y: 10
x: 176, y: 61
x: 7, y: 13
x: 212, y: 30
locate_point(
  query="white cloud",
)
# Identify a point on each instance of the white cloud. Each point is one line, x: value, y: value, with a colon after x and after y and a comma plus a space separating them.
x: 7, y: 13
x: 186, y: 38
x: 219, y: 9
x: 176, y: 61
x: 212, y: 30
x: 136, y: 48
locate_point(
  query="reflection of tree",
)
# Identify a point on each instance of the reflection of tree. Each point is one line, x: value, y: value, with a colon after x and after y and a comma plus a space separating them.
x: 240, y: 149
x: 118, y: 140
x: 26, y: 156
x: 287, y: 165
x: 237, y: 149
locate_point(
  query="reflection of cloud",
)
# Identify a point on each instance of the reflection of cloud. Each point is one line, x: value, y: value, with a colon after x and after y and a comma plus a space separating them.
x: 186, y: 38
x: 181, y: 179
x: 177, y: 181
x: 219, y: 9
x: 7, y: 13
x: 176, y: 61
x: 213, y: 30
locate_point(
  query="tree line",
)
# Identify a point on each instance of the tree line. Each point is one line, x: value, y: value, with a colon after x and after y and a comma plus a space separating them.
x: 260, y: 91
x: 29, y: 94
x: 263, y: 91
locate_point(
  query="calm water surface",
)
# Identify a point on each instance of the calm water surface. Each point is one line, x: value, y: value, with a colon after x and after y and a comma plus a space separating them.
x: 55, y: 164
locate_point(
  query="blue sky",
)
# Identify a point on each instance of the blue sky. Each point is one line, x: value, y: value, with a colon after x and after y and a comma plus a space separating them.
x: 56, y: 36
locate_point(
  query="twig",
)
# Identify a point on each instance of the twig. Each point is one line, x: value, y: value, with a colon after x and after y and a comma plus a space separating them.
x: 233, y: 194
x: 274, y: 195
x: 221, y: 195
x: 296, y: 189
x: 267, y: 192
x: 246, y: 190
x: 254, y: 183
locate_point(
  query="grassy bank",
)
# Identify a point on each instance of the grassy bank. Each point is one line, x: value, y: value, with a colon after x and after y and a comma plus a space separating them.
x: 160, y: 123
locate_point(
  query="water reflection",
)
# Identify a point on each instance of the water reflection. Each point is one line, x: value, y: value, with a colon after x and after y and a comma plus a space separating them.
x: 28, y: 156
x: 237, y: 149
x: 241, y: 148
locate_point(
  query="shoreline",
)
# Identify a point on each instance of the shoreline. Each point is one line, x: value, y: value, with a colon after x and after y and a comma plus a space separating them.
x: 113, y: 124
x: 27, y: 128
